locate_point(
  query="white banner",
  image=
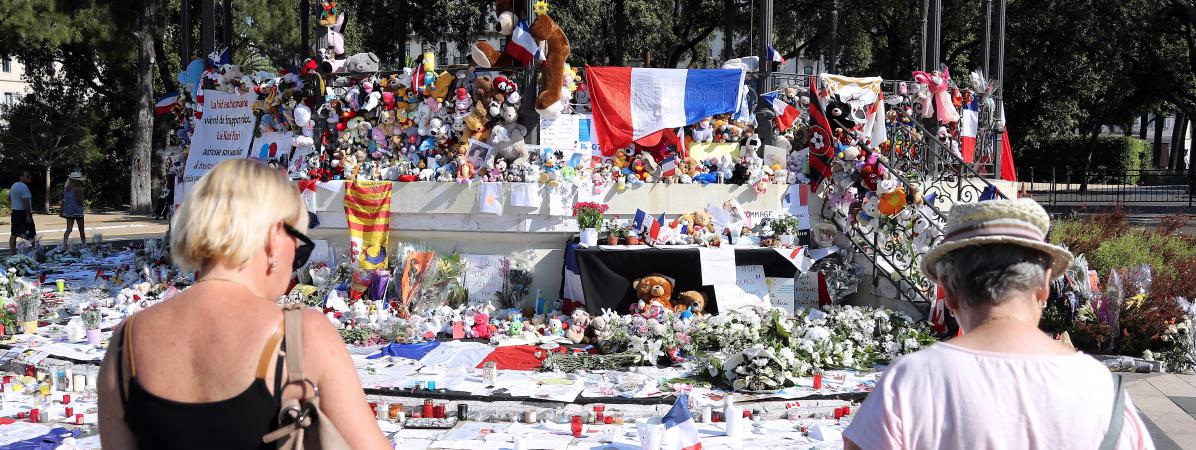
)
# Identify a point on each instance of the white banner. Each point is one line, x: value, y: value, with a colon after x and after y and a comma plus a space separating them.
x: 225, y: 131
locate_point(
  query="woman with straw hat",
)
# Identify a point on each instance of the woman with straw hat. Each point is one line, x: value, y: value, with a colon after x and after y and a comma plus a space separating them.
x: 72, y: 207
x: 1003, y: 384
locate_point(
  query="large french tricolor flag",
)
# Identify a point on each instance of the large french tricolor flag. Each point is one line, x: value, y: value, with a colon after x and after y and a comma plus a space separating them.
x: 967, y: 131
x: 680, y: 430
x: 631, y: 102
x: 786, y: 113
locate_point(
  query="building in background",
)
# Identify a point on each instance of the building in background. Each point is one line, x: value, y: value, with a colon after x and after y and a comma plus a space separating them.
x: 12, y: 85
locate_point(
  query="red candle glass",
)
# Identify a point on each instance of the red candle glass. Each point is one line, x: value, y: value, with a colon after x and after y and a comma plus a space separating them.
x: 374, y: 408
x: 34, y: 415
x: 66, y: 399
x: 747, y: 414
x: 817, y: 381
x: 577, y: 426
x: 70, y: 411
x: 438, y: 411
x: 78, y: 419
x: 428, y: 409
x: 599, y: 417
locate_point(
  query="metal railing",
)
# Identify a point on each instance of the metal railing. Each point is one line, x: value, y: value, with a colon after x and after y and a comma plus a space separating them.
x: 1108, y: 187
x: 916, y: 158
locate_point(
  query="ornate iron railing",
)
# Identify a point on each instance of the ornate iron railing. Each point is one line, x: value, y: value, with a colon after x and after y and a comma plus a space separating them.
x: 918, y: 160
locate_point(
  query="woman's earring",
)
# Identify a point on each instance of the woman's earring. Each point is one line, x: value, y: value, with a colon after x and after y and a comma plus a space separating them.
x: 273, y: 265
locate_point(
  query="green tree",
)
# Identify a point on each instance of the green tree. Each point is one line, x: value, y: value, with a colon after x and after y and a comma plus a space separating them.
x: 42, y: 131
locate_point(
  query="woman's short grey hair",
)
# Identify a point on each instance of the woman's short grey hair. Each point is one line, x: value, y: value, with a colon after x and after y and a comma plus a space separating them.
x: 989, y: 274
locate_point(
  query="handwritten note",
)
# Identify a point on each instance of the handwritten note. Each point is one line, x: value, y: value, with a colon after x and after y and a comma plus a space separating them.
x: 483, y: 277
x: 560, y: 132
x: 780, y: 293
x: 805, y: 291
x: 751, y: 281
x: 525, y: 195
x: 560, y: 200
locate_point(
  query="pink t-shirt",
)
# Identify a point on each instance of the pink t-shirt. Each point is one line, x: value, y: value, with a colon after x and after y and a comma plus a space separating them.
x: 949, y: 397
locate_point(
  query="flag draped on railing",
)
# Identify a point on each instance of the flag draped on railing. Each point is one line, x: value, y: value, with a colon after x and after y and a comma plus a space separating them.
x: 367, y: 209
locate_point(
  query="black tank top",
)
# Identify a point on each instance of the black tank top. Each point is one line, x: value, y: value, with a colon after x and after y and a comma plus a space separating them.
x: 235, y: 423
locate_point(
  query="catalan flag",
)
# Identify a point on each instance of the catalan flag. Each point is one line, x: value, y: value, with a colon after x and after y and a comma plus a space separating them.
x: 367, y: 208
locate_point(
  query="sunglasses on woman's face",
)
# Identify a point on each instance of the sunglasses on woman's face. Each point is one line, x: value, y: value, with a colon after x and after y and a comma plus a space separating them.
x: 303, y: 251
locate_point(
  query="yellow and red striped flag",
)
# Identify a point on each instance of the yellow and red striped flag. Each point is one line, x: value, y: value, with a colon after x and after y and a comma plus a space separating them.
x: 367, y: 208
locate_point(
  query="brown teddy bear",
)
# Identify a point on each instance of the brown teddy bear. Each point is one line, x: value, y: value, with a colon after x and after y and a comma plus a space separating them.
x: 702, y: 222
x: 654, y: 289
x: 552, y: 73
x: 690, y: 298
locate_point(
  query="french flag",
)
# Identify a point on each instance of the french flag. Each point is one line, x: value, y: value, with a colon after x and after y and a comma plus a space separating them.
x: 775, y: 56
x: 680, y: 430
x: 640, y: 216
x: 786, y: 113
x: 523, y: 46
x: 571, y: 282
x: 166, y: 103
x: 668, y: 167
x: 632, y: 102
x: 967, y: 132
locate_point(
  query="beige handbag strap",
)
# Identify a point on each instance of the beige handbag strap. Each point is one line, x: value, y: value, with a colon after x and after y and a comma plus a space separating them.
x: 293, y: 317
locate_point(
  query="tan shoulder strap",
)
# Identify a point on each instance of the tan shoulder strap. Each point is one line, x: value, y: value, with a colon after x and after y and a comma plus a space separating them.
x: 263, y: 361
x: 293, y: 317
x: 127, y: 342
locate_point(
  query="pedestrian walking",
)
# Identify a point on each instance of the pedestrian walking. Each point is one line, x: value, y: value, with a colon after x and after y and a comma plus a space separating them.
x: 72, y: 207
x: 21, y: 201
x: 1003, y: 384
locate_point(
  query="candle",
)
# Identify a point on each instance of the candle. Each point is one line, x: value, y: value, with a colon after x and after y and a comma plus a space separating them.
x: 382, y: 411
x: 78, y: 382
x: 61, y: 285
x: 70, y: 411
x: 78, y: 419
x: 428, y: 408
x: 395, y: 409
x: 92, y: 373
x: 66, y: 399
x: 463, y: 412
x: 438, y: 411
x: 68, y: 375
x: 35, y: 415
x: 707, y: 414
x: 818, y: 380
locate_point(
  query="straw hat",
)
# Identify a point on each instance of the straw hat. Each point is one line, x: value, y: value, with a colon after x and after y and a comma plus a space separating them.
x: 76, y: 175
x: 1020, y: 222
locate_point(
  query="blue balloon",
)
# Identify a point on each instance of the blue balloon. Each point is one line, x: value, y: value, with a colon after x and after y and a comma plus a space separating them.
x: 192, y: 76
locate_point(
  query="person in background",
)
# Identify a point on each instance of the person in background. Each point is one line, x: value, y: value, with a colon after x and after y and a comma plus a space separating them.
x: 72, y: 207
x: 204, y: 370
x: 21, y: 201
x: 1003, y: 384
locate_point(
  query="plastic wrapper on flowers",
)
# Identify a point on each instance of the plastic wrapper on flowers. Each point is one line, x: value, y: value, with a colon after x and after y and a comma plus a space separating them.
x: 841, y: 280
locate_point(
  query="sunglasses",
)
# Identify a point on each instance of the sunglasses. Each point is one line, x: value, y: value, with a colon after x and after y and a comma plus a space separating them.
x: 303, y: 251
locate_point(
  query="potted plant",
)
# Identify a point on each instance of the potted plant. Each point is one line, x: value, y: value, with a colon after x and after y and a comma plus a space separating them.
x: 784, y: 227
x: 8, y: 319
x: 633, y: 237
x: 91, y: 322
x: 589, y: 218
x: 614, y: 232
x: 29, y: 305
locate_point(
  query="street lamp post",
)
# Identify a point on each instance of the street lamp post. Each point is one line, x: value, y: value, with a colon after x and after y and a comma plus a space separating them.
x: 999, y: 114
x: 207, y: 27
x: 763, y: 112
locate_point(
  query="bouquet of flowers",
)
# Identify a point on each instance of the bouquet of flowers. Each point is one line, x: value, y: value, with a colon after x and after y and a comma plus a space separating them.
x: 589, y: 214
x: 21, y: 265
x: 91, y: 316
x: 29, y: 305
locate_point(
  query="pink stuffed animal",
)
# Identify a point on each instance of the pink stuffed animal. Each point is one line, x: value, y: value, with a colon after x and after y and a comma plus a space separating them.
x: 481, y: 326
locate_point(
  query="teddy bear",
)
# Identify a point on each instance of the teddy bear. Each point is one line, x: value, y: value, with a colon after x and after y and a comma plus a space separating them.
x: 362, y: 63
x: 893, y: 201
x: 484, y: 54
x: 868, y: 215
x: 691, y: 302
x: 552, y: 78
x: 510, y: 145
x: 577, y: 330
x: 654, y: 289
x: 838, y: 113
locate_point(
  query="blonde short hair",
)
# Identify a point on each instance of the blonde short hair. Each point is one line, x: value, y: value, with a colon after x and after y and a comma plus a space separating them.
x: 227, y: 213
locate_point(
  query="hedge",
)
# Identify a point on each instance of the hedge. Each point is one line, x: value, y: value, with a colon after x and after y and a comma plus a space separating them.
x: 1112, y: 156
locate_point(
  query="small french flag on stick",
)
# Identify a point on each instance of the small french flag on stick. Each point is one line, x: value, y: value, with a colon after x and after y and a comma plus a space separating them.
x: 166, y: 103
x: 967, y: 131
x: 523, y: 46
x: 680, y: 430
x: 775, y: 56
x: 668, y: 167
x: 787, y: 114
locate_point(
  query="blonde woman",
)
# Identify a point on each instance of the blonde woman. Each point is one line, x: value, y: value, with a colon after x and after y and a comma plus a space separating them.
x: 203, y: 370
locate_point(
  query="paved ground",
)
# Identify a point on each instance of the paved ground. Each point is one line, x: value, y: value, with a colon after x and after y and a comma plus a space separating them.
x: 114, y: 226
x: 1168, y: 403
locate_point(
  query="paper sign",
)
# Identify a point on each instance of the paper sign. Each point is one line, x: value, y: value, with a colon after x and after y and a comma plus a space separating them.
x: 705, y: 150
x: 271, y: 146
x: 780, y: 293
x: 775, y: 155
x: 490, y: 198
x: 483, y: 277
x: 525, y: 195
x: 478, y: 153
x: 458, y: 330
x: 797, y: 202
x: 805, y: 291
x: 224, y: 132
x: 718, y: 266
x: 751, y: 280
x: 560, y: 200
x: 720, y: 217
x: 589, y: 192
x: 560, y: 132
